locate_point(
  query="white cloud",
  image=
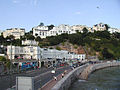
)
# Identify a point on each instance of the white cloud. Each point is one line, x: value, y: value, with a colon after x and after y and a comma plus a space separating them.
x: 15, y: 1
x: 35, y: 2
x: 78, y: 13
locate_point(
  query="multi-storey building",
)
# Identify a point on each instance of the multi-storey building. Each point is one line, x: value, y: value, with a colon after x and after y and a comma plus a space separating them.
x: 37, y: 53
x: 99, y: 27
x: 30, y: 42
x: 80, y: 28
x: 26, y: 52
x: 113, y: 30
x: 43, y: 31
x: 0, y: 32
x: 16, y: 32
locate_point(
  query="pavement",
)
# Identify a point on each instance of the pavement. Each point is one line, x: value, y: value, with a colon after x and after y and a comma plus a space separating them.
x: 43, y: 75
x: 51, y: 83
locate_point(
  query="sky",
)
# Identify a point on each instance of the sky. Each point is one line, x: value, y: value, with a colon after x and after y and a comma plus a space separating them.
x: 29, y: 13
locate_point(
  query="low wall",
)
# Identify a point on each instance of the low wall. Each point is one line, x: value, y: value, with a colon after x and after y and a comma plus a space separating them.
x: 65, y: 83
x: 95, y: 67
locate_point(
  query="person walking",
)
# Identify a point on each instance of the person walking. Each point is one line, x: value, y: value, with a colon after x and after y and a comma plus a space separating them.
x: 65, y: 71
x: 55, y: 78
x: 62, y: 75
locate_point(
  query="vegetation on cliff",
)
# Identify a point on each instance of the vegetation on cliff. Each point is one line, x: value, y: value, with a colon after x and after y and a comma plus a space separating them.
x: 100, y: 43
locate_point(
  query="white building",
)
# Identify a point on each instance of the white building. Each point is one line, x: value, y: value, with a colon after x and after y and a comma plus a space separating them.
x: 113, y: 30
x: 30, y: 42
x: 27, y: 52
x: 43, y: 31
x: 99, y: 27
x: 0, y: 32
x: 16, y: 32
x: 80, y: 28
x: 58, y: 30
x: 37, y: 53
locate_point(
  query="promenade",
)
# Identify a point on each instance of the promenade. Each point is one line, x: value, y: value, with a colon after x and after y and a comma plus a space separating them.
x: 51, y: 83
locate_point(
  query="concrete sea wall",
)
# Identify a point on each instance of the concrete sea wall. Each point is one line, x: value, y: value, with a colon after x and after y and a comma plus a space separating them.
x: 82, y: 72
x: 65, y: 82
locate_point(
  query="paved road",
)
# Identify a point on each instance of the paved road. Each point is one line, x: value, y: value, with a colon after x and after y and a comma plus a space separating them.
x: 42, y: 79
x: 42, y: 75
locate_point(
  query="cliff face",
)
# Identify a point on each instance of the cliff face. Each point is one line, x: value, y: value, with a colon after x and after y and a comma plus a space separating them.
x: 70, y: 47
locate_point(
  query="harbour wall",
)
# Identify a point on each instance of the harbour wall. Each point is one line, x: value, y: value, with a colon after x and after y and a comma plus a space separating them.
x: 65, y: 82
x: 82, y: 72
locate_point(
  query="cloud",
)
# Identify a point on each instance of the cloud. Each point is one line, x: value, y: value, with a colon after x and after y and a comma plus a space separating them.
x: 35, y: 2
x: 15, y: 1
x: 78, y: 13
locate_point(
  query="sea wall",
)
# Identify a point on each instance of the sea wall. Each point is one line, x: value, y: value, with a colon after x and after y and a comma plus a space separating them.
x: 65, y: 82
x: 93, y: 67
x: 82, y: 72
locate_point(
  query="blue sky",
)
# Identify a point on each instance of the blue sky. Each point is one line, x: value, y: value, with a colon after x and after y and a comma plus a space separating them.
x: 29, y: 13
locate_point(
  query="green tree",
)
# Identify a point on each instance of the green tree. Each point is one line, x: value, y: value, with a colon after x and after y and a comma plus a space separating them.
x: 38, y: 39
x: 2, y: 59
x: 107, y: 26
x: 106, y: 54
x: 41, y: 24
x: 50, y: 27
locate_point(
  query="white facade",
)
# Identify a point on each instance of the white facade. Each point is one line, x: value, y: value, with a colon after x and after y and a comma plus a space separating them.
x: 0, y: 32
x: 30, y: 42
x: 43, y: 31
x: 16, y: 32
x: 80, y: 57
x: 37, y: 53
x: 113, y: 30
x: 99, y: 27
x: 27, y: 52
x: 53, y: 53
x: 80, y: 28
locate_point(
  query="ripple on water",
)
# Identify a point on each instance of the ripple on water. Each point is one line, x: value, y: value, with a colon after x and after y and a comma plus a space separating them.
x: 104, y: 79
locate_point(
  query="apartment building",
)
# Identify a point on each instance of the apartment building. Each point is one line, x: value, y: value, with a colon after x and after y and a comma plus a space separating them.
x: 43, y: 31
x: 99, y: 27
x: 78, y: 28
x: 16, y: 32
x: 37, y: 53
x: 30, y: 42
x: 26, y: 52
x: 113, y: 30
x: 0, y: 32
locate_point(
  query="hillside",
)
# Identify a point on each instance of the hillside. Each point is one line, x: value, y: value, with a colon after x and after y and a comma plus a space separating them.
x: 100, y: 43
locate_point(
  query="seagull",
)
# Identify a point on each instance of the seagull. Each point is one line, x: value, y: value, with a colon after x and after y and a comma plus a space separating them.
x: 97, y: 7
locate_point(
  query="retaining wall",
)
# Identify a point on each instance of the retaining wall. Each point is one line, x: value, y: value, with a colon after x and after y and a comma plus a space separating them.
x: 65, y: 83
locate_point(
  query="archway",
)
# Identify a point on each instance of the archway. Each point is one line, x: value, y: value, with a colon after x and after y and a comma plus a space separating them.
x: 42, y: 64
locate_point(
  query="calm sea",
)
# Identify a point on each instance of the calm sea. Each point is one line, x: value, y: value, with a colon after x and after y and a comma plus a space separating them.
x: 104, y: 79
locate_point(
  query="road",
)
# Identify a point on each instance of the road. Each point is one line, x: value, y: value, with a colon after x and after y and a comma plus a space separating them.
x: 42, y: 76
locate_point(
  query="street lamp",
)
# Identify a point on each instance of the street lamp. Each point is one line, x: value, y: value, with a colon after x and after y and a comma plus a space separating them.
x: 10, y: 61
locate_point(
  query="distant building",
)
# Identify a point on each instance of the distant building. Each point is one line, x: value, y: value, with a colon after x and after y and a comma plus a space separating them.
x: 16, y: 32
x: 0, y: 32
x: 99, y: 27
x: 113, y: 30
x: 30, y: 42
x: 43, y: 31
x: 26, y: 52
x: 80, y: 28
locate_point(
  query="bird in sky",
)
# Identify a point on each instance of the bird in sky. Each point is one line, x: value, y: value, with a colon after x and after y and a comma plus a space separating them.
x: 97, y: 7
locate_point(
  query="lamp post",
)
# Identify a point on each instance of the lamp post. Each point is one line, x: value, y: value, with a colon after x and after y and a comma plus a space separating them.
x: 10, y: 61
